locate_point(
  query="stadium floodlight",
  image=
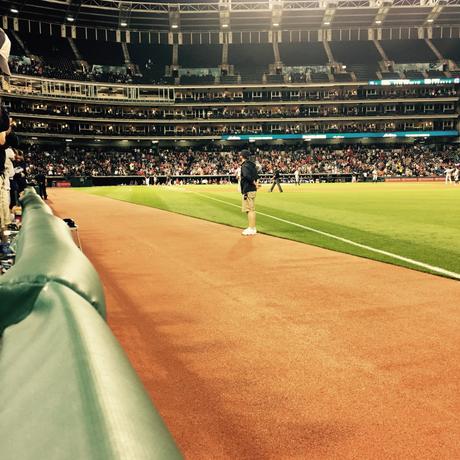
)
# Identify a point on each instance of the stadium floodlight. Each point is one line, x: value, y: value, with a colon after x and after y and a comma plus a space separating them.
x: 429, y: 20
x: 327, y: 23
x: 69, y: 140
x: 378, y: 21
x: 14, y: 10
x: 123, y: 24
x: 225, y: 25
x: 174, y: 16
x: 275, y: 24
x: 70, y: 18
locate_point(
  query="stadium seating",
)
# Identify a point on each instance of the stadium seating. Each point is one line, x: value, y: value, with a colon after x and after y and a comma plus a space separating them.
x: 391, y: 75
x: 319, y: 77
x: 99, y: 52
x: 51, y: 49
x: 364, y: 72
x: 435, y: 74
x: 275, y: 78
x: 229, y: 79
x: 407, y: 51
x: 364, y: 52
x: 251, y: 61
x: 342, y: 77
x: 151, y: 60
x: 449, y: 49
x: 303, y: 54
x: 204, y: 56
x: 220, y: 160
x: 197, y: 79
x: 414, y: 74
x: 16, y: 49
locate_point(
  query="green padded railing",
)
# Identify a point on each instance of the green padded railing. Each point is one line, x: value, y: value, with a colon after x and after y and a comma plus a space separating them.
x: 67, y: 390
x: 45, y: 251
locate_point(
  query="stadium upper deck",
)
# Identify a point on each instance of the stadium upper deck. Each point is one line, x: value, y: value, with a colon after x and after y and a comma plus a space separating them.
x: 234, y: 69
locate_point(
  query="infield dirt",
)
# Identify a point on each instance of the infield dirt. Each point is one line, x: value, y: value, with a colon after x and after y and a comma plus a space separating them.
x: 264, y: 348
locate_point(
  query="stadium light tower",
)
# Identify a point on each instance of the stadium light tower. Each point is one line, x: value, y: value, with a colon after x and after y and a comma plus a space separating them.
x: 224, y: 14
x: 384, y: 7
x: 329, y: 10
x: 174, y: 17
x: 437, y: 7
x: 277, y: 12
x: 124, y: 13
x: 73, y: 8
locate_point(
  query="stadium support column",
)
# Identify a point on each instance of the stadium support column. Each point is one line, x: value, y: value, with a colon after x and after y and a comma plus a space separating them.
x: 224, y: 67
x: 328, y: 50
x: 334, y: 67
x: 175, y: 55
x: 75, y: 50
x: 381, y: 51
x: 225, y: 53
x: 21, y: 43
x: 434, y: 49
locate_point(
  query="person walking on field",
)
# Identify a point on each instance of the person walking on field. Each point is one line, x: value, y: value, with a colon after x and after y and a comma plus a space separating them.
x: 276, y: 180
x: 456, y: 174
x: 248, y: 185
x: 297, y: 176
x: 448, y: 172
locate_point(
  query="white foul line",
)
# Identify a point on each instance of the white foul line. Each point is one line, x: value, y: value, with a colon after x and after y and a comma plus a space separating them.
x: 416, y: 263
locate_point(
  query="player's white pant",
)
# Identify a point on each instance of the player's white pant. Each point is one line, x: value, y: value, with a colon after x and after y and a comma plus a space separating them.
x: 5, y: 215
x: 448, y: 180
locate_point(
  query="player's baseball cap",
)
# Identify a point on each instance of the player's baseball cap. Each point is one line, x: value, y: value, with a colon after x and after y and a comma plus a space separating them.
x: 5, y: 47
x: 246, y: 154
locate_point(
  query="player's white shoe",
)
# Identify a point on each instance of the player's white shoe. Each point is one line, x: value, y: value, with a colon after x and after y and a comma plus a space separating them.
x: 249, y: 231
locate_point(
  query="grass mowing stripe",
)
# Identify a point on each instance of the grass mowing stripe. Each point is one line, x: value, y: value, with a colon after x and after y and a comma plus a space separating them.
x: 407, y: 260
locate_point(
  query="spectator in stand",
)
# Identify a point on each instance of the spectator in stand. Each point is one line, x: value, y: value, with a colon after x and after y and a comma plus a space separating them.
x: 5, y: 129
x: 405, y: 161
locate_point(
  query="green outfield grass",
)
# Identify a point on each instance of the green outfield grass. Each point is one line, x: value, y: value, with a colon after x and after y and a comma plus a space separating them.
x: 416, y: 221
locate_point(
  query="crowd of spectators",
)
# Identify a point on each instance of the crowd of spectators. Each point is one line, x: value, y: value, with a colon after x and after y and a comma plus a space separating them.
x: 219, y: 129
x: 65, y: 71
x: 228, y: 113
x: 408, y: 161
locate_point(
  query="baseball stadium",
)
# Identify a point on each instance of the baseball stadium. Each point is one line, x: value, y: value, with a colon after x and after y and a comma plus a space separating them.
x: 230, y: 229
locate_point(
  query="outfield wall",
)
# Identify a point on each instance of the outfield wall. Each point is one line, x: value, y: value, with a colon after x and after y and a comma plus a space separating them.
x: 67, y: 390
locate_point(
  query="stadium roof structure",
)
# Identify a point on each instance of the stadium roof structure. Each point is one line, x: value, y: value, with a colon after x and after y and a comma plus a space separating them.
x: 236, y: 15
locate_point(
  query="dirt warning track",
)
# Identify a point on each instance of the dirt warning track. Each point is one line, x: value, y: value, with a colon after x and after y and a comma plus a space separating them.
x: 263, y: 348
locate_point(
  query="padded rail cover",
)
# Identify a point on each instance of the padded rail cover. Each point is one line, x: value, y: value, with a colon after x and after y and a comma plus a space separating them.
x: 45, y: 251
x: 67, y: 390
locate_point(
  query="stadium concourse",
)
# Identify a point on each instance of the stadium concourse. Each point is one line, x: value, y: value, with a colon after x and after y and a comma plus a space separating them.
x: 268, y: 348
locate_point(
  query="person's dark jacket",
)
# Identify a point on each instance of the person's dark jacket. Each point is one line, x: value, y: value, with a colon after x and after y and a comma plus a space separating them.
x: 276, y: 175
x: 4, y: 119
x: 40, y: 178
x: 249, y: 177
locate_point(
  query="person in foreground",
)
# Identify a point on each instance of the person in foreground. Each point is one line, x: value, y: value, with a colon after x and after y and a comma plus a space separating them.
x: 249, y: 185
